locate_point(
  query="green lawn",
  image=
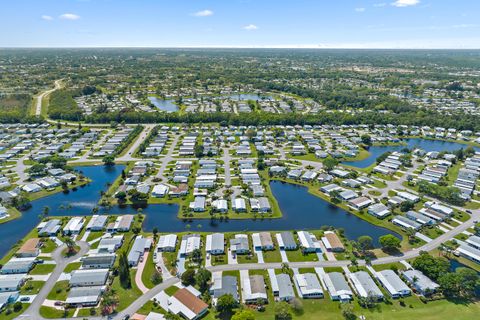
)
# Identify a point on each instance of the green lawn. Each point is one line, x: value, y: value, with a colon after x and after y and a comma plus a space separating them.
x: 126, y: 296
x: 246, y: 258
x: 59, y: 291
x: 31, y: 287
x: 48, y: 246
x: 94, y: 235
x: 12, y: 215
x: 7, y: 313
x: 42, y: 269
x: 297, y: 255
x: 52, y: 313
x: 148, y: 271
x: 272, y: 256
x: 219, y: 259
x: 72, y: 266
x: 171, y: 290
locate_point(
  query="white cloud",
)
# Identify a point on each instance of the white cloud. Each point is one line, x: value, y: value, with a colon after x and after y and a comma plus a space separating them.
x: 47, y: 18
x: 250, y: 27
x: 360, y: 9
x: 203, y: 13
x: 69, y: 16
x: 405, y: 3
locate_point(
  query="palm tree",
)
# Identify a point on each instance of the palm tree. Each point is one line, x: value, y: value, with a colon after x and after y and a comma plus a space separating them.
x: 45, y: 211
x: 70, y: 245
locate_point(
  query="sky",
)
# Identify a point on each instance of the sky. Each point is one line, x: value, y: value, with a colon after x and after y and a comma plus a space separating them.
x: 241, y: 23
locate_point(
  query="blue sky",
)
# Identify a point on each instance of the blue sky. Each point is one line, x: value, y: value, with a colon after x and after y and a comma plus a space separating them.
x: 241, y: 23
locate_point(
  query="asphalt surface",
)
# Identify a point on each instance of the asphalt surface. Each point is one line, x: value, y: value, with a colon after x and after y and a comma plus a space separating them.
x: 33, y: 311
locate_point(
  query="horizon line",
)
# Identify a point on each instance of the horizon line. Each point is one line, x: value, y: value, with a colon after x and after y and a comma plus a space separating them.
x: 238, y: 47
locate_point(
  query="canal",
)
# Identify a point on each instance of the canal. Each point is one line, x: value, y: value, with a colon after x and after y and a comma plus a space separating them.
x: 412, y: 143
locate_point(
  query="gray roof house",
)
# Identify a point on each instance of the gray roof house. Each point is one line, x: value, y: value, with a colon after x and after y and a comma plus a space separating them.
x: 97, y: 223
x: 308, y: 285
x: 49, y: 228
x: 100, y: 261
x: 393, y: 284
x: 110, y: 244
x: 239, y: 244
x: 215, y: 243
x: 420, y: 282
x: 337, y: 286
x: 88, y: 277
x: 285, y: 287
x: 11, y: 282
x: 225, y: 285
x: 140, y: 245
x: 84, y: 296
x: 18, y: 265
x: 286, y: 241
x: 365, y: 286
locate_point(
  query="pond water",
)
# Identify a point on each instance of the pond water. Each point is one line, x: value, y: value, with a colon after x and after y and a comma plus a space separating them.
x: 425, y: 144
x: 164, y: 105
x: 301, y: 211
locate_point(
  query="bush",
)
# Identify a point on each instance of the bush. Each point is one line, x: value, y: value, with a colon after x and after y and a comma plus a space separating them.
x: 17, y: 306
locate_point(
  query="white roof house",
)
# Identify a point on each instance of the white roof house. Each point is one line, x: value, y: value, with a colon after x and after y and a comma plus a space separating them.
x: 11, y: 282
x: 253, y: 288
x: 160, y: 190
x: 189, y: 243
x: 306, y: 241
x: 239, y: 204
x: 74, y: 225
x: 167, y: 242
x: 378, y: 210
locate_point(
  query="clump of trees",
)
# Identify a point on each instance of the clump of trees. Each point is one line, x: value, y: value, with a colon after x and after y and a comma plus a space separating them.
x: 389, y: 243
x: 448, y: 194
x: 124, y: 271
x: 63, y: 106
x: 460, y: 284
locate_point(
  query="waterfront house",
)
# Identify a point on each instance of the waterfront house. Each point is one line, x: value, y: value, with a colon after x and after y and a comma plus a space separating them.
x: 215, y: 243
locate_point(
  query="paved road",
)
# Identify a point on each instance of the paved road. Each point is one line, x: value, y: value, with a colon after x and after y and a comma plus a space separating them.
x: 138, y: 275
x: 226, y: 164
x: 33, y: 311
x: 128, y: 156
x: 38, y: 109
x: 168, y: 158
x: 137, y: 304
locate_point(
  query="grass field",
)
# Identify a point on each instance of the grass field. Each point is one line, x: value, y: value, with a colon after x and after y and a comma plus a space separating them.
x: 42, y: 269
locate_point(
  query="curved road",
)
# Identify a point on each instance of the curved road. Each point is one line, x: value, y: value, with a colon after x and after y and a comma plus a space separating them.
x: 33, y: 311
x: 38, y: 108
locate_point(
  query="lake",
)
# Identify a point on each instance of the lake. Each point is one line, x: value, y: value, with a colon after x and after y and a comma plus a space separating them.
x: 164, y: 105
x: 300, y: 209
x: 425, y: 144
